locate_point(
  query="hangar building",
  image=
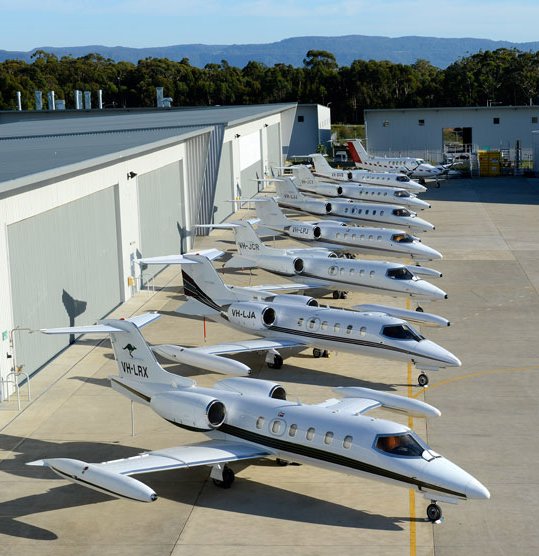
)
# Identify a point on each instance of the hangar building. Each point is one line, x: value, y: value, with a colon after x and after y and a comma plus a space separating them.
x: 429, y: 132
x: 82, y: 194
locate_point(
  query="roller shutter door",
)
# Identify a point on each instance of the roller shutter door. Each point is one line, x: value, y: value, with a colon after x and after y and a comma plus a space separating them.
x: 250, y: 164
x: 161, y: 213
x: 64, y: 270
x: 224, y: 190
x: 274, y: 148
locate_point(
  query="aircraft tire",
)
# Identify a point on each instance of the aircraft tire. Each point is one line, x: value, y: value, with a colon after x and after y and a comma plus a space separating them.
x: 344, y: 295
x: 419, y: 309
x: 336, y: 294
x: 317, y: 353
x: 423, y: 380
x: 434, y: 513
x: 228, y: 478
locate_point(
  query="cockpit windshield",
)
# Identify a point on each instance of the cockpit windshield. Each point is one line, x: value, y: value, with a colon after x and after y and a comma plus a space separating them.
x: 404, y: 445
x: 402, y: 238
x: 403, y: 178
x: 402, y: 193
x: 402, y: 212
x: 401, y: 332
x: 401, y: 273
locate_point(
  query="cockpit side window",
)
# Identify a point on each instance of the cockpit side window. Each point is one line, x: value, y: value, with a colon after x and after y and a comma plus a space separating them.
x: 402, y: 212
x: 403, y: 445
x: 401, y: 273
x: 402, y: 238
x: 401, y: 332
x: 402, y: 193
x: 403, y: 178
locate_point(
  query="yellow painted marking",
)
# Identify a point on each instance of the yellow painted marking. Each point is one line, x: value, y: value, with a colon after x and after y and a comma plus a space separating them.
x: 411, y: 495
x: 474, y: 375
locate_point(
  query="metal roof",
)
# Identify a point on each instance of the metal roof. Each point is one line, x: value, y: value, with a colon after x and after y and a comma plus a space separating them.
x: 43, y: 142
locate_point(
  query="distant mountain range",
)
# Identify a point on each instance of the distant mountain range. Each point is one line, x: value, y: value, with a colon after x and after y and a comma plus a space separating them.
x: 404, y: 50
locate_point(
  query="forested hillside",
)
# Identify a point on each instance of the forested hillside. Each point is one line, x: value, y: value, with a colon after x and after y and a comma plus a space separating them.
x: 503, y: 76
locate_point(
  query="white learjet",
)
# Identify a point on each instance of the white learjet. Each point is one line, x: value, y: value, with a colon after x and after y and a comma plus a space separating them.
x: 376, y: 214
x: 306, y: 182
x: 247, y: 419
x: 388, y: 179
x: 341, y: 238
x: 411, y: 166
x: 298, y: 322
x: 321, y: 268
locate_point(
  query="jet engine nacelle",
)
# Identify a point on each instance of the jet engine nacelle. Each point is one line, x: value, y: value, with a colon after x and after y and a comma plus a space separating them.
x: 282, y: 264
x: 255, y: 316
x: 329, y: 208
x: 304, y: 231
x: 327, y: 189
x: 250, y: 387
x: 295, y: 300
x: 190, y: 409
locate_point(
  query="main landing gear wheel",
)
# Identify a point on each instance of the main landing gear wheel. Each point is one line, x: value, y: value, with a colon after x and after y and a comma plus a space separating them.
x: 434, y: 512
x: 423, y: 379
x: 419, y: 309
x: 277, y: 362
x: 228, y: 479
x: 317, y: 353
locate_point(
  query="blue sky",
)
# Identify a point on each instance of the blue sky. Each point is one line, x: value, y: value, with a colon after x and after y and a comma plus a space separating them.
x: 138, y: 23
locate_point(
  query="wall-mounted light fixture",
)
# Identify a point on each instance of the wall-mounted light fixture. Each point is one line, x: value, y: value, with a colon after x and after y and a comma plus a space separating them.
x: 237, y: 136
x: 131, y: 175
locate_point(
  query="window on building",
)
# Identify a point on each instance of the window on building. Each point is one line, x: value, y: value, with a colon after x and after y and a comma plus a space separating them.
x: 386, y: 123
x: 534, y: 119
x: 420, y: 122
x: 495, y: 121
x: 301, y: 119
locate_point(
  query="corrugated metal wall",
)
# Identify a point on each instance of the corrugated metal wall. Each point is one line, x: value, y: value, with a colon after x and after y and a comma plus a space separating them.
x: 162, y: 213
x: 64, y: 264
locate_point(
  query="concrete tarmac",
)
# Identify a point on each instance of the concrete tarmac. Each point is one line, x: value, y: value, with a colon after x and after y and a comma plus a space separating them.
x: 488, y: 231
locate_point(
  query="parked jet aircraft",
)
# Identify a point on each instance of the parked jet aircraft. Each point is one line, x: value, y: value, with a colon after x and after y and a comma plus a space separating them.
x: 298, y: 322
x: 248, y: 419
x: 347, y: 210
x: 413, y: 167
x: 320, y: 268
x: 305, y: 181
x: 341, y: 238
x: 387, y: 179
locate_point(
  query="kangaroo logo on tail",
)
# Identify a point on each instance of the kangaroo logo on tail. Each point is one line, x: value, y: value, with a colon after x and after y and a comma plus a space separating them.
x: 130, y: 348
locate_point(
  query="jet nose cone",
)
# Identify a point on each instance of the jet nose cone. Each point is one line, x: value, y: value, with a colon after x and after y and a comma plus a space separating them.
x: 477, y: 491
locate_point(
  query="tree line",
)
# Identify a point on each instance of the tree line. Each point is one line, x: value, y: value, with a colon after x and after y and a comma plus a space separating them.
x: 503, y: 76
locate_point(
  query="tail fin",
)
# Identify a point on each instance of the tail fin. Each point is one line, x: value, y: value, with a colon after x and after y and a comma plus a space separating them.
x: 202, y: 283
x: 247, y: 242
x: 321, y: 165
x: 134, y: 358
x: 271, y: 214
x: 357, y: 151
x: 286, y: 188
x: 303, y: 174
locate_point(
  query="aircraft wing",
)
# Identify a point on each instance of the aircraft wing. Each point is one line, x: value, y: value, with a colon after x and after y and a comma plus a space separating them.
x: 269, y: 288
x: 210, y: 452
x: 113, y: 477
x: 356, y: 401
x: 259, y: 344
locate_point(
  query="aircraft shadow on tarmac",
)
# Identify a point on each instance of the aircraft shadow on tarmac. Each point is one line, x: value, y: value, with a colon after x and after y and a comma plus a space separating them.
x: 184, y: 487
